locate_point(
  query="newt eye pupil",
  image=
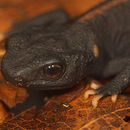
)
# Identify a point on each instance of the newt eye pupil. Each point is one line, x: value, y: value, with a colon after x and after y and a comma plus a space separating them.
x: 53, y: 71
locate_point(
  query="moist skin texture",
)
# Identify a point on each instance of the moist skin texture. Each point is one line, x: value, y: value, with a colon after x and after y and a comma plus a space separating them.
x: 72, y: 46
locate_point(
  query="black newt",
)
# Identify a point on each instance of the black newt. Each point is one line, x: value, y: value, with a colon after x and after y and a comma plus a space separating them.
x: 56, y: 54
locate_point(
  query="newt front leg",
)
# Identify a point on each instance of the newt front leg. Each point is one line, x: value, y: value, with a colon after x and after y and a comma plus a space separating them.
x: 112, y: 88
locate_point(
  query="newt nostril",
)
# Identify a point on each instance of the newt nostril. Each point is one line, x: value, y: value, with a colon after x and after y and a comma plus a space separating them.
x: 19, y: 81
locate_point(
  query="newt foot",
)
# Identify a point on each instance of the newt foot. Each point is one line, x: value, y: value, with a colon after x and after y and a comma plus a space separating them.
x: 95, y: 85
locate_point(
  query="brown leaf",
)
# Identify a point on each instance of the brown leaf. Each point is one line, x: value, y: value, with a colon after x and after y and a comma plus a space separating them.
x: 12, y: 95
x: 71, y: 111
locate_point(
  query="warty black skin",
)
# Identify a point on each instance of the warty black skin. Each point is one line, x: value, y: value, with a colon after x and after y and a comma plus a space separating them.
x: 72, y: 45
x: 28, y: 51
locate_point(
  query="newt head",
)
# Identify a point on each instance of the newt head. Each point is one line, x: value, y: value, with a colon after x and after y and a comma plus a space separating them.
x: 47, y: 60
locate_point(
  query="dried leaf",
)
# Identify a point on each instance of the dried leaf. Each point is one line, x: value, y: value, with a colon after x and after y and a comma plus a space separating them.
x: 71, y: 111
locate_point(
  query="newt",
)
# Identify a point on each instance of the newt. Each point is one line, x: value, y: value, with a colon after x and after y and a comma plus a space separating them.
x: 55, y: 54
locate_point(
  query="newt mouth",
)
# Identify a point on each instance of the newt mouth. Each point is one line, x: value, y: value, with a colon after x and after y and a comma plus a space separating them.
x: 42, y: 85
x: 35, y: 83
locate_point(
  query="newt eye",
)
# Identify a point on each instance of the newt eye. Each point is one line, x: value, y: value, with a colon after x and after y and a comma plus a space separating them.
x: 53, y: 71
